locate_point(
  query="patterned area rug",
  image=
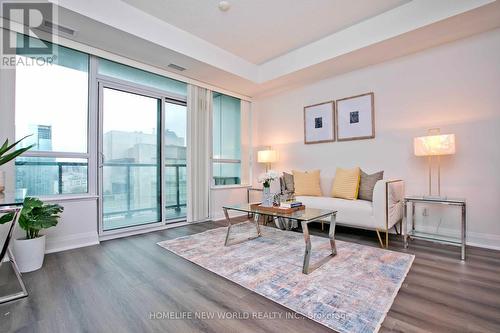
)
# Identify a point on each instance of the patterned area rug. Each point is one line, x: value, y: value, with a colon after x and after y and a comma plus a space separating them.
x: 350, y: 293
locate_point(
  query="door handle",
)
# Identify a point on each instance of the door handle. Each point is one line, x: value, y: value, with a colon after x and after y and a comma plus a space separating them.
x: 101, y: 160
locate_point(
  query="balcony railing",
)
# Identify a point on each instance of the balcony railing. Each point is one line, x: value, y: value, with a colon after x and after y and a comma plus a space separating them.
x: 58, y: 172
x: 125, y: 193
x: 39, y: 177
x: 128, y: 187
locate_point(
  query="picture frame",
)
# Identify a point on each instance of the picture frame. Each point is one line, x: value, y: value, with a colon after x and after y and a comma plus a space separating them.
x: 319, y: 123
x: 355, y: 117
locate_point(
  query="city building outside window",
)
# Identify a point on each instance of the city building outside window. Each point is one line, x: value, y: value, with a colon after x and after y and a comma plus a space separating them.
x: 52, y: 108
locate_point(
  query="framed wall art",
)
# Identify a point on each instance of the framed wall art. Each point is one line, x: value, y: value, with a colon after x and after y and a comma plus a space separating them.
x: 355, y: 117
x: 319, y: 123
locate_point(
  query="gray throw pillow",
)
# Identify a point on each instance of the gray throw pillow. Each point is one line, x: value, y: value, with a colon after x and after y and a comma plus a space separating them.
x: 367, y: 184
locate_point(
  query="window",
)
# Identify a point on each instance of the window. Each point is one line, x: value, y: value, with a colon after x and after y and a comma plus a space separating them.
x: 52, y: 107
x: 226, y: 140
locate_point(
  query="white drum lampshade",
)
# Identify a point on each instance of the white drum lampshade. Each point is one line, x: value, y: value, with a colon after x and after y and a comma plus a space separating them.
x: 267, y: 156
x: 435, y: 145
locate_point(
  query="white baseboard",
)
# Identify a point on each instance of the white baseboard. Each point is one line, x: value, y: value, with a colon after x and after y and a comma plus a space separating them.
x: 63, y: 243
x: 487, y: 241
x: 477, y: 239
x: 220, y: 216
x: 146, y: 230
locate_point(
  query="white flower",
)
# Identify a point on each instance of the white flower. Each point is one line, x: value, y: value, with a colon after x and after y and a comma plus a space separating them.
x: 268, y: 176
x: 272, y: 174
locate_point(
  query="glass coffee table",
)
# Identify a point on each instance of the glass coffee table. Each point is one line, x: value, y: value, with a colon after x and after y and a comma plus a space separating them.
x: 9, y: 203
x: 304, y: 217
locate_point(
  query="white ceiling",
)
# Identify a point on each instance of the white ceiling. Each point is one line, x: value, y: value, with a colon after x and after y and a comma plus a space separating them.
x: 130, y: 34
x: 260, y: 30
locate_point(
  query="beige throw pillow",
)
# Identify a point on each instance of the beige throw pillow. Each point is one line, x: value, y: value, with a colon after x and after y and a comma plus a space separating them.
x: 307, y: 183
x: 346, y: 183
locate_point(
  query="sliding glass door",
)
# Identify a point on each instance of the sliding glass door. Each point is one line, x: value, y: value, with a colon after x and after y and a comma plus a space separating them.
x: 175, y: 160
x: 130, y: 155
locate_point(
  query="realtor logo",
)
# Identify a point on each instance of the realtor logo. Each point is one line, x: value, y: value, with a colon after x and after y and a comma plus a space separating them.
x: 28, y: 15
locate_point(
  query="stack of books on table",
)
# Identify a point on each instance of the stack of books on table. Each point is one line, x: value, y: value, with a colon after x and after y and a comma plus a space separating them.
x: 290, y: 204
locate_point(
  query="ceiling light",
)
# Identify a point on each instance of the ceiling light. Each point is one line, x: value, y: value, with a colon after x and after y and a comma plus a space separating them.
x: 224, y: 6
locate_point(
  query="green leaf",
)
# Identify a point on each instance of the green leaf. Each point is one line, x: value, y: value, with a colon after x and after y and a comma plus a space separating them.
x: 13, y: 155
x: 3, y: 149
x: 6, y: 147
x: 36, y: 216
x: 6, y: 218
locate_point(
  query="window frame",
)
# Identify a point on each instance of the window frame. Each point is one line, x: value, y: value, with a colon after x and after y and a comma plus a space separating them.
x: 91, y: 191
x: 104, y: 81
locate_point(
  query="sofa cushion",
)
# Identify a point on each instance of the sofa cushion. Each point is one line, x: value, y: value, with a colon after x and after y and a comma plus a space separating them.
x: 367, y: 184
x: 357, y: 213
x: 346, y: 184
x: 306, y: 183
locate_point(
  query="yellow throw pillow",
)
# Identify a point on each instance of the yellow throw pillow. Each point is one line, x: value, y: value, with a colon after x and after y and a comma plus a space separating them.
x: 346, y: 184
x: 306, y: 183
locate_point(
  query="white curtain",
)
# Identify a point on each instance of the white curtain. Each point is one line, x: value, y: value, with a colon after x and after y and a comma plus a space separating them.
x: 199, y: 142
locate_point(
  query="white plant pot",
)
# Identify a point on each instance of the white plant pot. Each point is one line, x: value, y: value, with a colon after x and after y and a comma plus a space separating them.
x: 29, y: 253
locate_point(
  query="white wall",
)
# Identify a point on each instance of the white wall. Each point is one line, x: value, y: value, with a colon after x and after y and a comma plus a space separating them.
x: 226, y: 196
x: 455, y: 87
x: 76, y: 228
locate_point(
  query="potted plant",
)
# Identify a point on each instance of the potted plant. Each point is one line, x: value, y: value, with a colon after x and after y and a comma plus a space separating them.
x: 35, y: 216
x: 266, y: 179
x: 5, y: 157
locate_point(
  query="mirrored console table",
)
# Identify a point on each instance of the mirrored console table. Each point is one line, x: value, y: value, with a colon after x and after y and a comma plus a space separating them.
x: 410, y: 231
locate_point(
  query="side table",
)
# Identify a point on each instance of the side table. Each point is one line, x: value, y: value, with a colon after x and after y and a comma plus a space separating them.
x: 409, y: 222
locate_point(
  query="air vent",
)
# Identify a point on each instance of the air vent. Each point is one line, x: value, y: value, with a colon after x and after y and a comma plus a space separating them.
x: 177, y: 67
x: 53, y: 28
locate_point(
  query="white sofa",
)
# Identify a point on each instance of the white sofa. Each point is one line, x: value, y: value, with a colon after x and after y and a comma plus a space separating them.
x: 381, y: 215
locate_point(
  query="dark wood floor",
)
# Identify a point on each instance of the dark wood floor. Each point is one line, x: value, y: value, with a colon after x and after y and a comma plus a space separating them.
x: 117, y: 285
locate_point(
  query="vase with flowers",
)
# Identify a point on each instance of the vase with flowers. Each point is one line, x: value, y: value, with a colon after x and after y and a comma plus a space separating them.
x: 266, y: 179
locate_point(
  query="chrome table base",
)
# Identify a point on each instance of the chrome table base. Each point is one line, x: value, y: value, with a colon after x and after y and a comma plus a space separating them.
x: 306, y: 267
x: 12, y: 260
x: 256, y: 221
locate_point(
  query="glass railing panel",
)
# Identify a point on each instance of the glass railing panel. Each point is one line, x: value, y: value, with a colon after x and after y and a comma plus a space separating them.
x: 45, y: 176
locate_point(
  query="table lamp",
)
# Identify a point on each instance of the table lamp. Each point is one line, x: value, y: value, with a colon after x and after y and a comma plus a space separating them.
x: 434, y: 145
x: 267, y: 156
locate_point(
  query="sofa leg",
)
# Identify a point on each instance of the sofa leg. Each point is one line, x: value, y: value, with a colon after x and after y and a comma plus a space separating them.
x: 383, y: 244
x: 380, y: 239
